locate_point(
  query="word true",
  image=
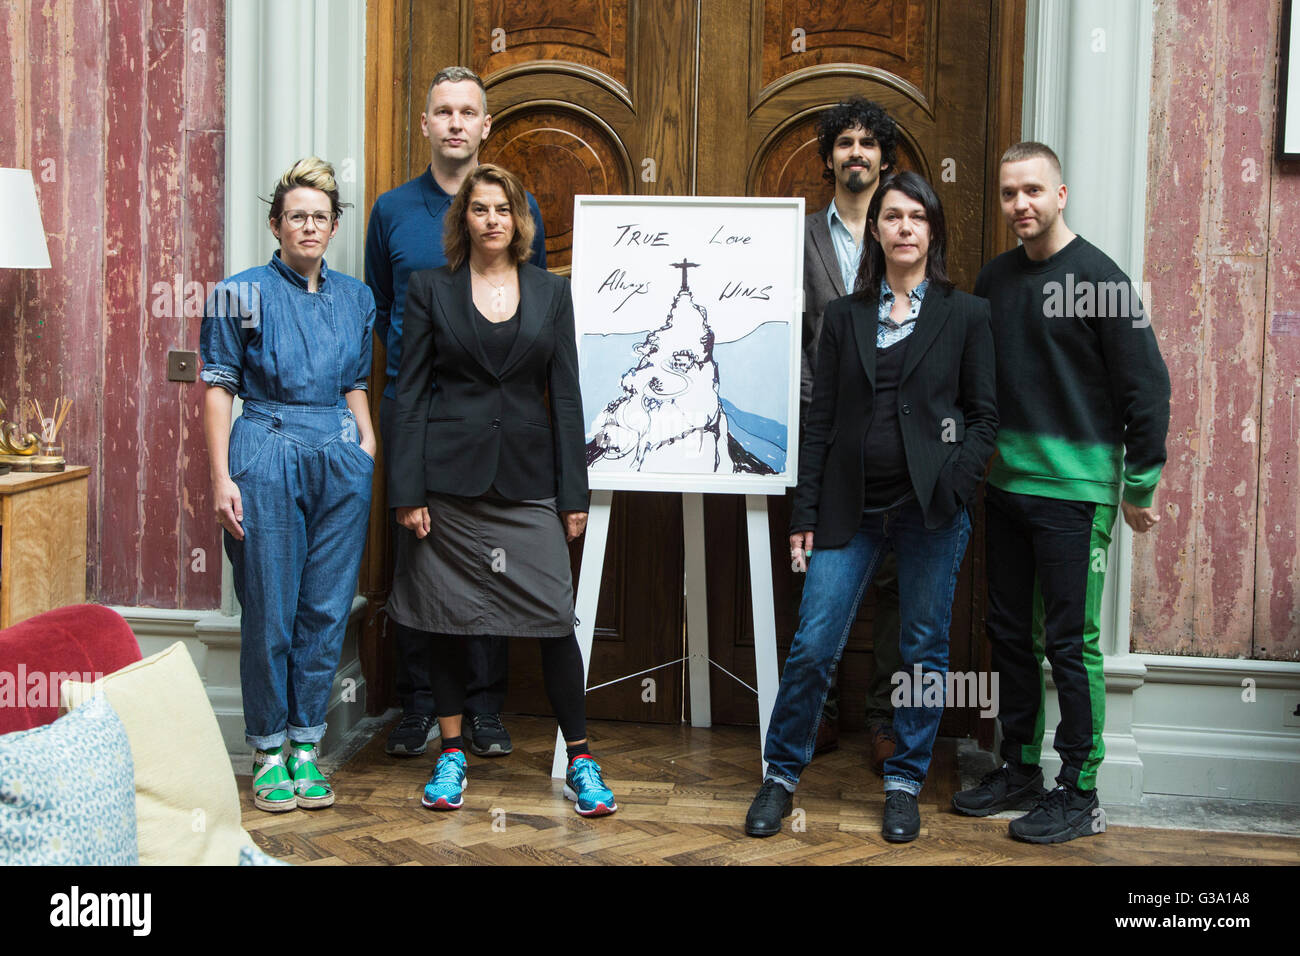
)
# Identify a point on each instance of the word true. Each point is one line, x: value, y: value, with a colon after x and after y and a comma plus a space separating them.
x: 38, y: 688
x: 955, y: 689
x: 1096, y: 300
x: 102, y: 909
x: 192, y: 300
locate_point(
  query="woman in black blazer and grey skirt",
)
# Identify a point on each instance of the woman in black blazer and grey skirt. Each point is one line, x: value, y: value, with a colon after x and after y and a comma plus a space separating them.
x: 901, y: 423
x: 487, y: 469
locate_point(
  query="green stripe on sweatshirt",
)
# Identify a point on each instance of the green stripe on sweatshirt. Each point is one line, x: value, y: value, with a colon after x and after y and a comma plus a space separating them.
x: 1050, y: 467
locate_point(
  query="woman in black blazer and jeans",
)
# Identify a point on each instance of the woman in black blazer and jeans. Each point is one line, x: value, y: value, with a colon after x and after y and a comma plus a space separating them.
x: 901, y: 424
x: 488, y: 471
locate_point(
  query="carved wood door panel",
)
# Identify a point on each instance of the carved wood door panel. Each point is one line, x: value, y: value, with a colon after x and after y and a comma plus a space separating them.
x: 704, y: 97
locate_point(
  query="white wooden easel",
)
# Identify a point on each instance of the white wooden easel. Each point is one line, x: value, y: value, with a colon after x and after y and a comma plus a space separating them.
x: 697, y: 632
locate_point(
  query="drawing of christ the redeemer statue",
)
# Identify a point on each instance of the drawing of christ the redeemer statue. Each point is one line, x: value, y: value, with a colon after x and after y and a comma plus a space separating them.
x: 669, y: 417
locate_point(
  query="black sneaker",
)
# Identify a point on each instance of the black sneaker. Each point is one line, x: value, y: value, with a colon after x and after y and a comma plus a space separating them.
x: 1003, y: 789
x: 487, y: 736
x: 902, y: 817
x: 771, y: 805
x: 411, y: 736
x: 1063, y: 814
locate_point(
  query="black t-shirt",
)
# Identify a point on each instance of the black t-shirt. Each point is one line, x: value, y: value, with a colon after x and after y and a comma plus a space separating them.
x: 497, y: 338
x: 884, y: 460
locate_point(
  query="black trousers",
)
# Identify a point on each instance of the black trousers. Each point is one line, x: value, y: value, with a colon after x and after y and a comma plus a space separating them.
x: 487, y: 659
x: 1046, y: 560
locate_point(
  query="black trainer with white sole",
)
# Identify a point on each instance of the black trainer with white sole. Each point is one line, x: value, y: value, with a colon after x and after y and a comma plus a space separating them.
x: 411, y: 736
x: 486, y: 735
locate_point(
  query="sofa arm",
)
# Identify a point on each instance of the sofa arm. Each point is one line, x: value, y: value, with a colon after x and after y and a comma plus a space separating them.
x: 79, y: 642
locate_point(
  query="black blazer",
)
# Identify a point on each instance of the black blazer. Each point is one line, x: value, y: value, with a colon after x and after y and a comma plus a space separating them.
x: 458, y: 426
x: 822, y: 284
x: 947, y: 412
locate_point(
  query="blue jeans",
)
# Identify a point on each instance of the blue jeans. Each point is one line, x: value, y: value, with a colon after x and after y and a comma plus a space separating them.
x: 928, y: 562
x: 305, y: 486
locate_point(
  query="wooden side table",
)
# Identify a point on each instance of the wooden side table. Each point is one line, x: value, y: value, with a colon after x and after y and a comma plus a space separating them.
x: 42, y: 542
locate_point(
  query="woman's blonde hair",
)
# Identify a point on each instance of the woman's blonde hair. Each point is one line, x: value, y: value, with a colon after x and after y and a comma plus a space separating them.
x: 455, y: 232
x: 312, y: 173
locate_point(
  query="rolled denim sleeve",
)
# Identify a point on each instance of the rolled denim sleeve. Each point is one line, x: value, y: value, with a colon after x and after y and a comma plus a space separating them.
x: 366, y: 302
x: 221, y: 338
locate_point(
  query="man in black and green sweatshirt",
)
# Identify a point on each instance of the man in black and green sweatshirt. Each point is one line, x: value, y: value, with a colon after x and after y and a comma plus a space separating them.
x: 1083, y: 397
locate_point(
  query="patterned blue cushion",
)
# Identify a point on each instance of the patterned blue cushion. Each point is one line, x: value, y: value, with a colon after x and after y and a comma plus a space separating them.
x: 67, y: 792
x: 254, y: 856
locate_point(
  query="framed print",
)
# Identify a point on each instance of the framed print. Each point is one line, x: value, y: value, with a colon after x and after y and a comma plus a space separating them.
x: 688, y: 317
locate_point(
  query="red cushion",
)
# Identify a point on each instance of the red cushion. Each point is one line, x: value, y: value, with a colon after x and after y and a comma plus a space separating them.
x: 79, y: 642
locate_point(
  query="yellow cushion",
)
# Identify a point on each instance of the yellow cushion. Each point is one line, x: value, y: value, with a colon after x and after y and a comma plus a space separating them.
x: 186, y: 802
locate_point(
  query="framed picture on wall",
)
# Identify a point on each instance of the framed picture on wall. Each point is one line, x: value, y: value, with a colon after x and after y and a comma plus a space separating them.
x: 688, y: 314
x: 1288, y: 96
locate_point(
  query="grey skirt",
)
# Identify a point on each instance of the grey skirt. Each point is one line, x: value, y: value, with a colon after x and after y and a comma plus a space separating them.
x: 487, y: 566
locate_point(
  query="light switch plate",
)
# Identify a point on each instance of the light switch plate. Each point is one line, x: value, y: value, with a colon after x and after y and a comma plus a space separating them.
x: 182, y: 366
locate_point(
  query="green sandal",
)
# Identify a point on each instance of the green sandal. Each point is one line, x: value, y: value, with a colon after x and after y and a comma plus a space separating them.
x: 312, y: 791
x: 273, y: 787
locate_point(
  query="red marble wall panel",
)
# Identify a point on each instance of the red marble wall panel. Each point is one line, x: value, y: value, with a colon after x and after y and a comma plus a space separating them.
x: 200, y: 569
x: 1277, y: 581
x: 13, y: 96
x: 118, y: 107
x: 1218, y: 578
x: 125, y: 405
x: 53, y: 345
x: 204, y: 262
x: 1235, y: 301
x: 162, y: 454
x: 1177, y: 179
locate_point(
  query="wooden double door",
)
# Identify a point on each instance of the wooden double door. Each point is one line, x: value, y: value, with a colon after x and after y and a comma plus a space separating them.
x: 706, y: 97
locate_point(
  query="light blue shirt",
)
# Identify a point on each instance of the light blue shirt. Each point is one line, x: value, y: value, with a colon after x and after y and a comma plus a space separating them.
x: 887, y: 333
x: 847, y: 252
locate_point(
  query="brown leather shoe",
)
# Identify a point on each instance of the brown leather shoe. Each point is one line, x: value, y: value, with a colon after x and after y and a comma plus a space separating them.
x: 828, y: 735
x: 883, y: 743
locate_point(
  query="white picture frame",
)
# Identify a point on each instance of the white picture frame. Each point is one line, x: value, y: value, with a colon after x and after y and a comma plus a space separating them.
x: 672, y: 294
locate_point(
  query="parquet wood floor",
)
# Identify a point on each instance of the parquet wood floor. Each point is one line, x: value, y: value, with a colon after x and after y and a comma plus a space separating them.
x: 682, y: 794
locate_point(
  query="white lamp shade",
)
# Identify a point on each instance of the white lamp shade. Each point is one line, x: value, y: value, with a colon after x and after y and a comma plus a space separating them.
x: 22, y: 238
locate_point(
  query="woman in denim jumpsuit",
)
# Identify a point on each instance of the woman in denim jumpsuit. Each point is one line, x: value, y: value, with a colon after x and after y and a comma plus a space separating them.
x: 291, y: 481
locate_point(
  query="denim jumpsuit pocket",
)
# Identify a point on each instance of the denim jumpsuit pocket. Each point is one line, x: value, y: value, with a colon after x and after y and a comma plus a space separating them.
x: 361, y: 453
x: 351, y: 438
x: 248, y: 441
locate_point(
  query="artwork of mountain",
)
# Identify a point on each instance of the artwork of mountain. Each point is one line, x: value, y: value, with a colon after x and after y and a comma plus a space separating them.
x: 669, y: 416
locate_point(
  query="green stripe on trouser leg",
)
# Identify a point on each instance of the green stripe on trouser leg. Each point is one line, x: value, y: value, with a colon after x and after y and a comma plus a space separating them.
x: 1098, y: 550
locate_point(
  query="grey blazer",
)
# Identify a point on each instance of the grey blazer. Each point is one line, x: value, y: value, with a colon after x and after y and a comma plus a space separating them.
x: 821, y: 283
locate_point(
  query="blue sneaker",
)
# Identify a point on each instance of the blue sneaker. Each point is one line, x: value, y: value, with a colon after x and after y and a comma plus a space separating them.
x: 445, y: 789
x: 583, y: 785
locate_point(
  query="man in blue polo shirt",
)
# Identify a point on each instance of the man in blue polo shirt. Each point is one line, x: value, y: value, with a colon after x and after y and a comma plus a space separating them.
x: 405, y: 235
